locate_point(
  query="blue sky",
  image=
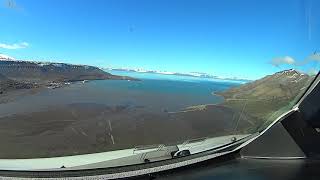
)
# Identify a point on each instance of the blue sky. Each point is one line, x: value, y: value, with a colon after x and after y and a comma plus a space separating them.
x: 232, y: 38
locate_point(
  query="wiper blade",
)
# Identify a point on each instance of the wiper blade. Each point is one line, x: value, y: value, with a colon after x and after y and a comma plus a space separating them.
x: 138, y: 155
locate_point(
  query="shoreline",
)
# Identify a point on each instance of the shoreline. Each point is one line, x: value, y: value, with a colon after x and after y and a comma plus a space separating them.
x: 80, y: 128
x: 219, y: 95
x: 9, y: 95
x: 201, y: 107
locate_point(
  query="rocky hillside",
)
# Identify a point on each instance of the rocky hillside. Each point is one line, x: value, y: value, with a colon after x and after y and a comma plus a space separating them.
x: 27, y: 75
x: 284, y: 84
x: 52, y: 72
x: 267, y: 98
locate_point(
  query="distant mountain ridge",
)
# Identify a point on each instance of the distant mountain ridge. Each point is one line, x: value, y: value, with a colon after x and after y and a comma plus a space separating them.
x: 61, y: 72
x: 16, y: 74
x: 190, y: 74
x: 4, y: 57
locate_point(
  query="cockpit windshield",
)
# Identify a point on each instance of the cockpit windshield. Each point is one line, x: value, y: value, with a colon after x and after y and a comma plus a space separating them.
x: 128, y: 77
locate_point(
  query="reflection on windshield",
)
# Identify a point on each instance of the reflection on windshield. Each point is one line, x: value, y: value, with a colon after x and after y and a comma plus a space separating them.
x: 186, y: 77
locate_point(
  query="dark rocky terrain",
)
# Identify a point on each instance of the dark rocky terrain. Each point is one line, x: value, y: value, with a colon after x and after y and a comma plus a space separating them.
x: 37, y: 71
x: 27, y: 75
x: 87, y: 128
x: 7, y: 84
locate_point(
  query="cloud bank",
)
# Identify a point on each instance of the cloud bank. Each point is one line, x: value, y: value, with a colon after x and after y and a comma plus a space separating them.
x: 287, y: 60
x: 283, y: 60
x: 14, y: 46
x: 314, y: 57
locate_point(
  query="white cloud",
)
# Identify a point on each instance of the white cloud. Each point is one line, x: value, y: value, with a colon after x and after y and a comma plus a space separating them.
x: 315, y: 57
x: 283, y: 60
x: 14, y: 46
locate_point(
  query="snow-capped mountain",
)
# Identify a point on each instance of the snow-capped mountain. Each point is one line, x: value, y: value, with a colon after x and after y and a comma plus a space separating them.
x: 4, y: 57
x: 189, y: 74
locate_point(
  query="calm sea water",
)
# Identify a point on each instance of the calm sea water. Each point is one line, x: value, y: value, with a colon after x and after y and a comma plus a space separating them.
x: 154, y: 92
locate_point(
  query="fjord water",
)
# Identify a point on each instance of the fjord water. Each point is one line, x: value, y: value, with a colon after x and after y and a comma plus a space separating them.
x: 154, y: 93
x: 107, y: 115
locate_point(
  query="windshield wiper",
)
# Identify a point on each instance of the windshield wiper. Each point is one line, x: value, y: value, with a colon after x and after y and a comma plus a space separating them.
x: 138, y: 155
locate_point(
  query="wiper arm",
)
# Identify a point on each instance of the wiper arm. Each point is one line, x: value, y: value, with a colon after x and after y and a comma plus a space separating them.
x: 138, y: 155
x: 205, y: 144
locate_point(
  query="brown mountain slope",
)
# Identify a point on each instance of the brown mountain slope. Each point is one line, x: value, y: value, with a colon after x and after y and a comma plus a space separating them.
x: 284, y: 84
x: 267, y: 98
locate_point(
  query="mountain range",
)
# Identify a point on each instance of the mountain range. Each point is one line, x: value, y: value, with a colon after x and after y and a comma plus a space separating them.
x: 15, y: 74
x: 4, y: 57
x: 60, y: 72
x: 189, y: 74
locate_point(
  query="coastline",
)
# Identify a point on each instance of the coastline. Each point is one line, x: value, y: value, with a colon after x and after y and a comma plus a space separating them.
x: 220, y: 95
x: 79, y: 128
x: 11, y: 94
x: 201, y: 107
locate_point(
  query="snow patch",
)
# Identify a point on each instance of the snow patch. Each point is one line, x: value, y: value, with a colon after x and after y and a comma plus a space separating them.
x: 4, y: 57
